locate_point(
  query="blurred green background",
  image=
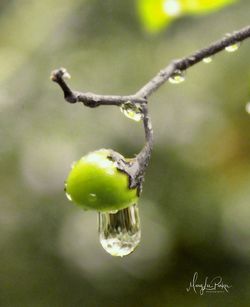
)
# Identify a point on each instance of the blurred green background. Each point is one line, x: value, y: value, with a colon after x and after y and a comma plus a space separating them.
x: 195, y: 204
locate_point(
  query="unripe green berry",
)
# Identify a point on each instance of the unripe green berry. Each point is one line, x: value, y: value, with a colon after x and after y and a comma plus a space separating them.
x: 95, y: 183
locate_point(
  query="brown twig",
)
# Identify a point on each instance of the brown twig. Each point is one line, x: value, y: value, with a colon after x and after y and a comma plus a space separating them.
x: 141, y: 96
x: 94, y: 100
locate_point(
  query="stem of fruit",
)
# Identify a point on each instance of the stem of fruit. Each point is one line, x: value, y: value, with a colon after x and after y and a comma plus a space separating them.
x: 136, y: 170
x: 144, y: 156
x: 142, y: 159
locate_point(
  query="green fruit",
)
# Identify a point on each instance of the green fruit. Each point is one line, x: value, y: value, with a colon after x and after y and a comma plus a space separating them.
x: 95, y: 183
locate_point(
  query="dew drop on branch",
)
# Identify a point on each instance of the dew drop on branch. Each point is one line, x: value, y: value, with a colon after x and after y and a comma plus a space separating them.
x: 233, y: 47
x: 132, y: 111
x: 177, y: 77
x: 207, y: 60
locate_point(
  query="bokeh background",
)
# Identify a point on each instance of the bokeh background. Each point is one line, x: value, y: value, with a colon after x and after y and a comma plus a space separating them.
x: 195, y: 206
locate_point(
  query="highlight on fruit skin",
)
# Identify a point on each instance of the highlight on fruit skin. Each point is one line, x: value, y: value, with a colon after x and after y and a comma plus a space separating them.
x: 96, y: 183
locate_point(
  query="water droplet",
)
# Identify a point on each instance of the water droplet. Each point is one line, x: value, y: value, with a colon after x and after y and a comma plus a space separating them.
x: 92, y: 197
x: 207, y: 60
x: 65, y: 73
x: 113, y: 211
x: 172, y: 7
x: 68, y: 196
x: 248, y: 107
x: 177, y: 77
x: 73, y: 164
x: 65, y: 190
x: 132, y: 111
x: 233, y: 48
x: 120, y: 233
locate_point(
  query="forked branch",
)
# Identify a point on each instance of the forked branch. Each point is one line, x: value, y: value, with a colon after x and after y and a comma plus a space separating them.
x: 94, y: 100
x: 138, y: 167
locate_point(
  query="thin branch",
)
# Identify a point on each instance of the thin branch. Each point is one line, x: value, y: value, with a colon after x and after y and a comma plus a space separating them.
x: 94, y: 100
x: 89, y: 99
x: 184, y: 63
x: 143, y: 156
x: 136, y: 169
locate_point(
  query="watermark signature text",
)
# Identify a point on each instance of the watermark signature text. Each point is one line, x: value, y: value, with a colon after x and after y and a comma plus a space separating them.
x: 213, y: 285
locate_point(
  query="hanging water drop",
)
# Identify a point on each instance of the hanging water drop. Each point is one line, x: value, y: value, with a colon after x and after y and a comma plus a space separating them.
x: 207, y: 60
x: 132, y: 111
x: 177, y: 77
x: 68, y: 196
x: 233, y: 47
x: 65, y: 190
x: 119, y: 232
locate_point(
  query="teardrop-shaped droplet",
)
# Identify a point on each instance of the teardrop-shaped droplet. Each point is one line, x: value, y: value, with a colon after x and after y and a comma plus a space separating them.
x: 177, y: 77
x: 132, y: 111
x: 68, y: 196
x: 233, y: 48
x: 120, y: 233
x: 65, y: 190
x: 207, y: 60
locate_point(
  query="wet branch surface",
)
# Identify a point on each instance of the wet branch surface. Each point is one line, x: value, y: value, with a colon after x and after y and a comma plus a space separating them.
x: 141, y: 96
x: 94, y: 100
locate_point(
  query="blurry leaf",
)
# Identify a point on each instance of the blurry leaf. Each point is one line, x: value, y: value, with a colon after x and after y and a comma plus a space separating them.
x: 152, y: 15
x: 158, y: 14
x: 204, y: 6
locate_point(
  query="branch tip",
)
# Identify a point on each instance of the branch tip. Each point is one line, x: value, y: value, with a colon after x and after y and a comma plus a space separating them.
x: 59, y: 74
